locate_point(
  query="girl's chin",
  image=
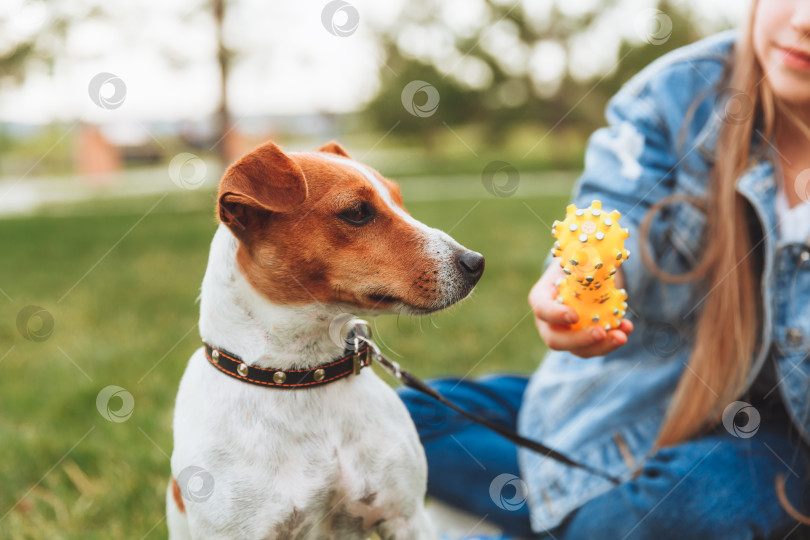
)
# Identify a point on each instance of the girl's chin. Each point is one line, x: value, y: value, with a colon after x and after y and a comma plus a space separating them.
x: 790, y: 86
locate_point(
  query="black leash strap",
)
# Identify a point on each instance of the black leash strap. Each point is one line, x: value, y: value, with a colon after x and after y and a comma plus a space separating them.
x: 412, y: 382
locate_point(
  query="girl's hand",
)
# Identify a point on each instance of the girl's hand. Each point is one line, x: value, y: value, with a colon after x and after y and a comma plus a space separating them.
x: 553, y: 319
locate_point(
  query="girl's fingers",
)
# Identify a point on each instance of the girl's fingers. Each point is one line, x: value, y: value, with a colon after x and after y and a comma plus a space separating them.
x: 542, y: 299
x: 553, y: 322
x: 612, y: 341
x: 562, y: 338
x: 626, y: 326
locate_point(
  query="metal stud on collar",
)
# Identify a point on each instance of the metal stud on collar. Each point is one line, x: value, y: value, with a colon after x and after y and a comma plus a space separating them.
x: 234, y: 366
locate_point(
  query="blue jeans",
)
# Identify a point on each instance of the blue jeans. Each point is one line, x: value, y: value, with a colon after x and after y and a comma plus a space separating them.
x: 715, y: 487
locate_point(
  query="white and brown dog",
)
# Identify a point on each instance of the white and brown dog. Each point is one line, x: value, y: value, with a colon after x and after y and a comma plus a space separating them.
x: 303, y: 238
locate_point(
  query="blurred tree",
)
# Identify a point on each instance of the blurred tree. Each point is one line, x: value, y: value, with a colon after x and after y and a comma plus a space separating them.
x: 13, y: 59
x: 18, y: 51
x: 523, y: 62
x: 225, y: 58
x: 222, y: 115
x: 41, y: 42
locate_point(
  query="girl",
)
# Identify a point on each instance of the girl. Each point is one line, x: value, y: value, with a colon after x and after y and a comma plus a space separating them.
x: 700, y: 400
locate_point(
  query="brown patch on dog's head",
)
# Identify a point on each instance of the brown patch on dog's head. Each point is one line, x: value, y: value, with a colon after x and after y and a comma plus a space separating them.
x: 178, y: 496
x: 261, y: 182
x: 319, y: 228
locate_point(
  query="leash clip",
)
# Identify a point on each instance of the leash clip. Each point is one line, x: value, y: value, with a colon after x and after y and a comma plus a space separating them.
x: 360, y: 359
x: 362, y: 334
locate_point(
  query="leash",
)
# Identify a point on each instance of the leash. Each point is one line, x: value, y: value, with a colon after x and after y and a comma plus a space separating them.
x: 361, y: 333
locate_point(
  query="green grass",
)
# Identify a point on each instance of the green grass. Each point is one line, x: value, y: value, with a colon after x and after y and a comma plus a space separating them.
x: 122, y: 290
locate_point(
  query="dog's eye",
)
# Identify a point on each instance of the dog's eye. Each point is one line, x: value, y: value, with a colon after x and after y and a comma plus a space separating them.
x: 358, y: 215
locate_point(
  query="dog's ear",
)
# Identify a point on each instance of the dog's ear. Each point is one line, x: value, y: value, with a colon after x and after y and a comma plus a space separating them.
x: 333, y: 147
x: 263, y: 181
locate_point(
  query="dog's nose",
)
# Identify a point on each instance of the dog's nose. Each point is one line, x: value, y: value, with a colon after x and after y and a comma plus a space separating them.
x: 471, y: 264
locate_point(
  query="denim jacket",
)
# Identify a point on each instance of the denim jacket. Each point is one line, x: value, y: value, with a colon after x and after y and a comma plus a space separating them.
x: 606, y: 411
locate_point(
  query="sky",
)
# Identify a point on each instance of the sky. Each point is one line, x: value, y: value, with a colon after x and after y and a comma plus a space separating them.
x: 152, y: 60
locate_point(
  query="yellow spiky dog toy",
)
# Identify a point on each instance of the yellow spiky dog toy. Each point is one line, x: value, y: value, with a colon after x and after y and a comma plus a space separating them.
x: 590, y: 246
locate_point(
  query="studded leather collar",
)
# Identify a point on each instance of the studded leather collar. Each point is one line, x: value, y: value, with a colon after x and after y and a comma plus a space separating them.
x: 230, y: 364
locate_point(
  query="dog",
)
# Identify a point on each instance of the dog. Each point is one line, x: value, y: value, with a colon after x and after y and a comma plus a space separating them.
x: 303, y: 238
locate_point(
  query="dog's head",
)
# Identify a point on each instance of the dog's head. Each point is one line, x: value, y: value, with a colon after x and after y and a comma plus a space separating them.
x: 319, y: 227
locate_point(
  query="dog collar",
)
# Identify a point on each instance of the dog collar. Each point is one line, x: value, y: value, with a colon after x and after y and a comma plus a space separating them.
x: 230, y: 364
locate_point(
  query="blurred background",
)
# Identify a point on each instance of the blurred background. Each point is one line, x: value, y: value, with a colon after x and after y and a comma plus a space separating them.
x: 117, y: 120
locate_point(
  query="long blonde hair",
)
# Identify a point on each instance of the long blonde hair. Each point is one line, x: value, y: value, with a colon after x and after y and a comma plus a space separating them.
x: 728, y: 325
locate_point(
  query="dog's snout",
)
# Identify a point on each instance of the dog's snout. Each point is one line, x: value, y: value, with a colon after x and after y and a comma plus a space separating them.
x: 471, y: 264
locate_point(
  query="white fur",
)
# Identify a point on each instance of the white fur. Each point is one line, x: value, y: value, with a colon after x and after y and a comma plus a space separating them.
x: 309, y: 463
